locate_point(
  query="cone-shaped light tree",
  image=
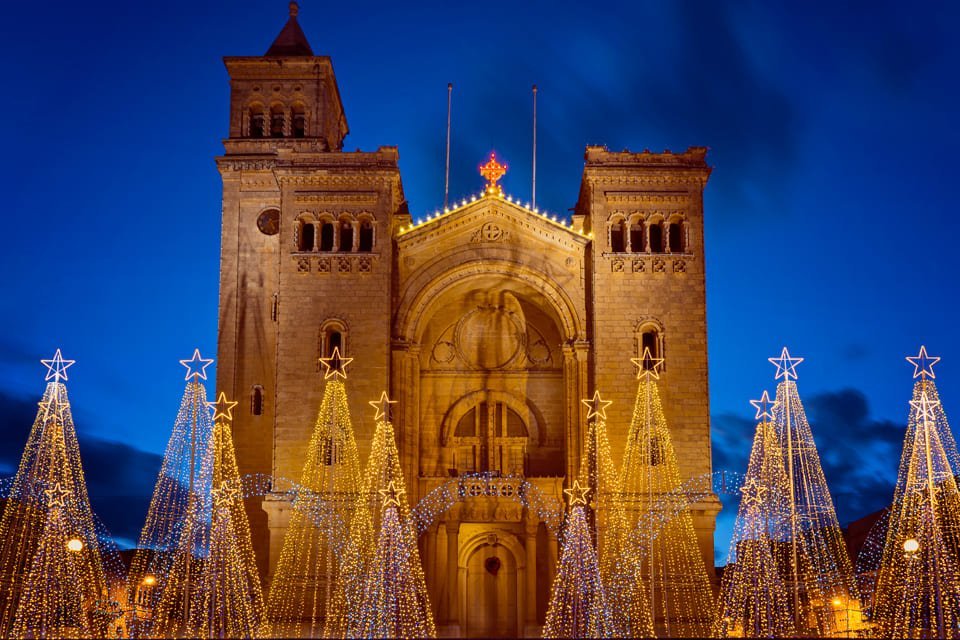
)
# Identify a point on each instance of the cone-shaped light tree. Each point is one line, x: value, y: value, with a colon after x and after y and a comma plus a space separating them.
x: 918, y: 587
x: 822, y: 593
x: 392, y: 599
x: 672, y: 567
x: 625, y: 596
x: 753, y: 597
x: 578, y: 606
x: 52, y: 582
x: 179, y: 512
x: 303, y: 599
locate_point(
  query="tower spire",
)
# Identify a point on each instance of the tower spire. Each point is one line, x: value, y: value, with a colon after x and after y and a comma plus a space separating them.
x: 291, y: 41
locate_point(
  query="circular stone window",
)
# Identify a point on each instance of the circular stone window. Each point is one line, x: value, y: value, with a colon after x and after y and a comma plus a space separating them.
x: 269, y: 222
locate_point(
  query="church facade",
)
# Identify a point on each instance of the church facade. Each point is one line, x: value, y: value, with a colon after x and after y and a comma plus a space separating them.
x: 488, y: 324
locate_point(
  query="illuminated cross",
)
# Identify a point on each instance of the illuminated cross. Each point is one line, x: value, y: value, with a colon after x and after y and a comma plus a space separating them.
x: 923, y: 364
x: 648, y: 365
x: 577, y: 494
x: 57, y: 496
x: 382, y: 406
x: 786, y: 366
x: 596, y: 406
x: 57, y: 367
x: 764, y: 407
x: 335, y: 365
x: 493, y: 171
x: 391, y: 495
x: 196, y: 366
x: 222, y: 408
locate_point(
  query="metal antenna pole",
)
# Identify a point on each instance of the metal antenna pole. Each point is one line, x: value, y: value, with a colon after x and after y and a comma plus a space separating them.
x: 446, y: 179
x: 533, y: 198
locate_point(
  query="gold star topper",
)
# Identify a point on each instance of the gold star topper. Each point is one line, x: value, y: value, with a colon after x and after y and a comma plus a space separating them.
x: 196, y: 366
x: 391, y: 495
x: 577, y: 494
x: 925, y: 407
x: 382, y: 406
x: 647, y: 365
x: 57, y: 367
x: 493, y: 171
x: 226, y: 494
x: 923, y: 364
x: 786, y: 366
x: 222, y: 408
x: 335, y: 365
x: 764, y: 407
x: 753, y: 492
x: 596, y: 406
x: 57, y: 496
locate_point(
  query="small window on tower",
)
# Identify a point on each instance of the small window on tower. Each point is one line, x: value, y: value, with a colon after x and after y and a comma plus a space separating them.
x: 366, y: 236
x: 276, y: 122
x: 656, y: 238
x: 256, y: 400
x: 650, y: 339
x: 346, y: 236
x: 675, y: 234
x: 305, y: 237
x: 637, y: 241
x: 299, y: 122
x: 326, y: 236
x: 334, y: 341
x: 256, y: 122
x: 617, y: 236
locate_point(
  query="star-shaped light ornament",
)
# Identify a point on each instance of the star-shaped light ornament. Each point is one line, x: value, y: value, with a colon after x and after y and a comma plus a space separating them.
x: 391, y: 495
x: 335, y: 365
x: 196, y: 366
x: 57, y: 367
x: 753, y: 492
x: 764, y: 407
x: 786, y: 366
x: 577, y: 494
x: 923, y: 364
x: 222, y: 408
x: 648, y: 365
x: 226, y: 494
x: 925, y: 407
x: 383, y: 407
x: 596, y: 406
x: 57, y: 496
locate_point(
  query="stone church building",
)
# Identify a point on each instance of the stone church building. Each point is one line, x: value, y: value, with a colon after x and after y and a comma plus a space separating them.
x: 488, y: 324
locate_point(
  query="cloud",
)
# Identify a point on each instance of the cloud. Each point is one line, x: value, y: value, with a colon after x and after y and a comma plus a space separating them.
x: 119, y: 477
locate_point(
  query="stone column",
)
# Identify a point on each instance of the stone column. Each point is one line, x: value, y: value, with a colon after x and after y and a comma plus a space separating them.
x: 530, y: 628
x: 405, y: 382
x: 430, y: 557
x: 453, y: 578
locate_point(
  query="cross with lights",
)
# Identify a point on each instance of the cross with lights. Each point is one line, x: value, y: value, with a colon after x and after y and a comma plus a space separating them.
x: 391, y: 495
x: 648, y: 366
x: 923, y: 364
x: 596, y: 406
x: 335, y: 365
x: 577, y: 494
x: 493, y: 171
x: 786, y: 366
x: 383, y: 407
x: 196, y: 366
x: 764, y: 407
x: 57, y: 367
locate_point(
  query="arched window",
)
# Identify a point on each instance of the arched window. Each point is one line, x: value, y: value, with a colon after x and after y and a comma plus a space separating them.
x: 276, y: 121
x: 675, y: 235
x: 305, y: 233
x: 366, y: 236
x: 346, y: 236
x: 656, y: 237
x: 298, y: 122
x: 638, y: 243
x: 326, y: 236
x: 257, y: 123
x: 491, y: 437
x: 333, y: 335
x: 256, y: 400
x: 618, y: 236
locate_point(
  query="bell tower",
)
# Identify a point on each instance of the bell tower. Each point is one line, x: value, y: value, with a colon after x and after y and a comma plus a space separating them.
x: 306, y: 255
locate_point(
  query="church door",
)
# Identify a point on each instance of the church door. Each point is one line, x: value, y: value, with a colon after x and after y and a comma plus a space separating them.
x: 491, y: 593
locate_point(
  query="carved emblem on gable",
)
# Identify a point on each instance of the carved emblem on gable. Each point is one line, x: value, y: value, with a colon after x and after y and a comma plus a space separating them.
x: 489, y: 232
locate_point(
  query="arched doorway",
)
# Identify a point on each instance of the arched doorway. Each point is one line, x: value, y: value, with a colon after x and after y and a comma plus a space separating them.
x: 492, y: 576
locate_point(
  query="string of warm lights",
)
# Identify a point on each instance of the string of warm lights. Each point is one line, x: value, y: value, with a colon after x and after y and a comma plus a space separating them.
x: 753, y: 596
x: 823, y: 594
x: 918, y: 587
x: 666, y: 559
x: 51, y: 572
x: 303, y: 599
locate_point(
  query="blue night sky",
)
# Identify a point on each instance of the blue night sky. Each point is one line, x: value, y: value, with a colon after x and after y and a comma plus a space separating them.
x: 829, y: 215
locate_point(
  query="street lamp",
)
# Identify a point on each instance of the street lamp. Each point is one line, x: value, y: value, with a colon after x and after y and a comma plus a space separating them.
x: 75, y: 545
x: 910, y: 547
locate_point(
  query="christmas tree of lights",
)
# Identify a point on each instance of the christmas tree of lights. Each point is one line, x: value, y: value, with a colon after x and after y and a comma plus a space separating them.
x: 303, y: 599
x: 52, y: 580
x: 384, y: 586
x: 918, y: 587
x: 179, y: 512
x: 822, y: 592
x: 578, y: 605
x: 753, y: 597
x: 673, y: 568
x: 627, y: 600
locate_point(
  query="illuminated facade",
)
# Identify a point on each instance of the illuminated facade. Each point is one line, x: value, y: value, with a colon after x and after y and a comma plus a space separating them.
x: 487, y: 324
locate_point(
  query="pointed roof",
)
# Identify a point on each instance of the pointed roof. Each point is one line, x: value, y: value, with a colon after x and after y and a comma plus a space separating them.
x: 291, y: 41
